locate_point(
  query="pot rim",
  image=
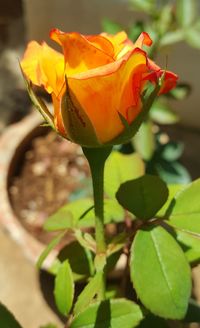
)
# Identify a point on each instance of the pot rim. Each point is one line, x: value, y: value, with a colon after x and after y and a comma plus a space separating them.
x: 9, y: 147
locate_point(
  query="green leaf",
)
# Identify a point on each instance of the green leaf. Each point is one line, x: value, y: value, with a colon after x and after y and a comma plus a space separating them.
x: 88, y: 293
x: 113, y: 212
x: 135, y: 30
x: 192, y: 36
x: 54, y: 242
x: 7, y: 320
x: 160, y: 273
x: 148, y: 6
x: 173, y: 190
x: 143, y: 196
x: 80, y: 260
x: 184, y: 211
x: 162, y: 113
x: 144, y: 142
x: 68, y: 215
x: 165, y: 19
x: 116, y: 313
x: 190, y: 245
x: 64, y: 288
x: 172, y: 151
x: 181, y: 91
x: 186, y: 12
x: 110, y: 26
x: 172, y: 37
x: 120, y: 168
x: 173, y: 172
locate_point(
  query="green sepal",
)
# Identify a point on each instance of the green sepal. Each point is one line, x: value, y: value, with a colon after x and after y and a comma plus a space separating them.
x: 38, y: 102
x: 131, y: 129
x: 77, y: 124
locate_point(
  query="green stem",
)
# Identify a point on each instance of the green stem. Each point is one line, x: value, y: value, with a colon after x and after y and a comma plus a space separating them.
x: 96, y: 158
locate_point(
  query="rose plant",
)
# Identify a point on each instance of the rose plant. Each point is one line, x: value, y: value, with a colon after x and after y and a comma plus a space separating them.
x: 102, y: 88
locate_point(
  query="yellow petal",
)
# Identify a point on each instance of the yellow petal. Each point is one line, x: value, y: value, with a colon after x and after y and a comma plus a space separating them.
x: 120, y: 42
x: 44, y: 67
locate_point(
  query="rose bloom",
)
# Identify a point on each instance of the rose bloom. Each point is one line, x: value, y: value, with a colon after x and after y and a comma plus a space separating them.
x: 95, y: 82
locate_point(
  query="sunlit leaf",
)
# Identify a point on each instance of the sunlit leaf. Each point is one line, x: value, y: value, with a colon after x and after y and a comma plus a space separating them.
x: 160, y: 273
x: 184, y: 211
x: 64, y: 288
x: 116, y: 313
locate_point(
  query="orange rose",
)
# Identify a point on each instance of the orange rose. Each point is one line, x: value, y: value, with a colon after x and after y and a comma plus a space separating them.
x: 96, y: 84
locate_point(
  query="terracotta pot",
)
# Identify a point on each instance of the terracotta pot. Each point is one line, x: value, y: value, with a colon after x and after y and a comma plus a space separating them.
x: 13, y: 143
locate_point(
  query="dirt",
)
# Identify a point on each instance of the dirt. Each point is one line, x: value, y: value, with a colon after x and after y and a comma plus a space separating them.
x: 53, y: 172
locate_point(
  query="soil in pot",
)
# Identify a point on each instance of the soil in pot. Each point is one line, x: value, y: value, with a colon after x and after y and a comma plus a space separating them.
x: 52, y: 172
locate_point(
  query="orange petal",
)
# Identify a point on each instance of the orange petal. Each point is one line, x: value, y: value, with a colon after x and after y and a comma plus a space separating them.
x: 100, y: 42
x: 44, y: 66
x: 80, y: 54
x: 143, y: 39
x: 111, y: 89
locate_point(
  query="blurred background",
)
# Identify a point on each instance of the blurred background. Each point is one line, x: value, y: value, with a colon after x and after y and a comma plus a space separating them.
x: 178, y: 46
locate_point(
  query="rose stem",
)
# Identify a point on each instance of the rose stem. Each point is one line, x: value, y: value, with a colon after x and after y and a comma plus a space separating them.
x: 96, y: 158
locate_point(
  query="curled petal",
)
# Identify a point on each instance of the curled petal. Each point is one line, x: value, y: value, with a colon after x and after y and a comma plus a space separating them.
x: 80, y: 54
x: 169, y: 81
x: 143, y: 39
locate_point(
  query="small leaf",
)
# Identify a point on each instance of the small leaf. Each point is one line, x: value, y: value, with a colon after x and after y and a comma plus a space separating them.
x: 110, y: 26
x: 7, y: 320
x: 116, y: 313
x: 143, y: 196
x: 64, y: 288
x: 144, y: 142
x: 120, y: 168
x: 184, y: 211
x: 165, y: 19
x: 186, y: 12
x: 173, y: 172
x: 173, y: 190
x: 161, y: 113
x: 148, y: 6
x: 192, y: 36
x: 181, y: 91
x: 80, y: 260
x: 172, y: 151
x: 68, y: 215
x: 160, y: 273
x: 190, y: 245
x: 113, y: 212
x: 88, y: 293
x: 170, y: 38
x: 54, y: 242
